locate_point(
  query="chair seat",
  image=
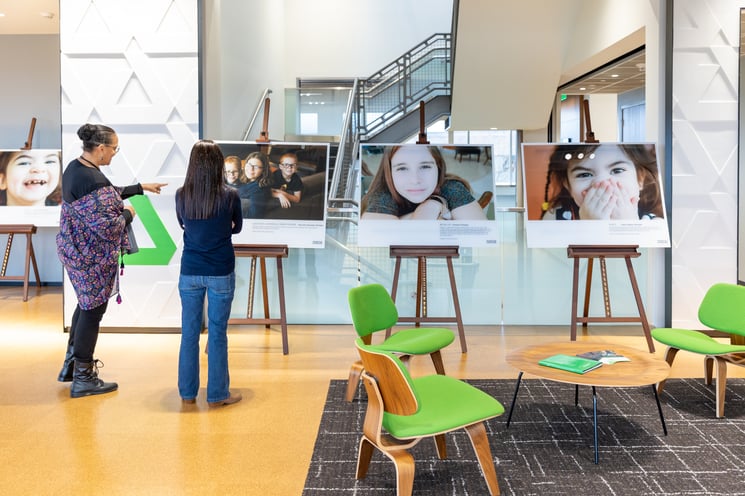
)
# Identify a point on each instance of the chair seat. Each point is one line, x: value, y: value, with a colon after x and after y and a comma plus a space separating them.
x: 694, y: 341
x: 417, y: 341
x: 446, y: 404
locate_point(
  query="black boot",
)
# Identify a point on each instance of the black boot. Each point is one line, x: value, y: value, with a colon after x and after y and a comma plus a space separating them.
x: 65, y: 375
x: 85, y: 380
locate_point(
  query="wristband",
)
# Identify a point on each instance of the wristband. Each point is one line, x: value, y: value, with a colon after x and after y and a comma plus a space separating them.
x: 444, y: 210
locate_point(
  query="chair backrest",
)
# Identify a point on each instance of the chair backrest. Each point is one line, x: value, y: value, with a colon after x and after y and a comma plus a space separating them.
x: 723, y: 308
x: 372, y: 309
x: 393, y: 380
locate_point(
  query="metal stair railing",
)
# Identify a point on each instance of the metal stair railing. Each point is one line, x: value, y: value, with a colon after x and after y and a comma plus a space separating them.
x: 421, y: 74
x: 259, y: 107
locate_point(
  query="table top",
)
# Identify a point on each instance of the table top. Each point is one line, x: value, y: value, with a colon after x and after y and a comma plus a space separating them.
x: 643, y: 369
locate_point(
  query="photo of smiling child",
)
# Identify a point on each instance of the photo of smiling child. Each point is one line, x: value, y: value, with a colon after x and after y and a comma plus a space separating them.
x: 30, y: 178
x: 412, y: 183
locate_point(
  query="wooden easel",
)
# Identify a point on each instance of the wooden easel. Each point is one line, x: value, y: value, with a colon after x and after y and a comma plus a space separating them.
x: 264, y: 135
x: 590, y: 252
x: 27, y: 145
x: 262, y: 252
x: 422, y: 129
x: 589, y: 135
x: 29, y: 230
x: 421, y: 253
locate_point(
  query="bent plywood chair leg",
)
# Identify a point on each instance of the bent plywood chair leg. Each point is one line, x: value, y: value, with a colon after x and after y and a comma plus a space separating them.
x: 442, y: 450
x: 721, y: 385
x: 669, y: 357
x: 354, y: 380
x: 437, y: 361
x: 364, y: 456
x: 404, y: 471
x: 708, y: 369
x: 477, y: 434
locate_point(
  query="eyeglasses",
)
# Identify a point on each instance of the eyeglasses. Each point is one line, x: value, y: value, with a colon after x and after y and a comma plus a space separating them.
x: 288, y: 166
x: 254, y: 167
x: 231, y: 172
x: 115, y: 148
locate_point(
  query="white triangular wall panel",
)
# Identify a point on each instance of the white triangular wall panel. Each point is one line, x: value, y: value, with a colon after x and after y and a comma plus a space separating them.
x: 704, y: 163
x: 133, y: 65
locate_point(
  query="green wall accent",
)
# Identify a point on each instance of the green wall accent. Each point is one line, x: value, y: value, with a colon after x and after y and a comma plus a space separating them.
x: 164, y: 246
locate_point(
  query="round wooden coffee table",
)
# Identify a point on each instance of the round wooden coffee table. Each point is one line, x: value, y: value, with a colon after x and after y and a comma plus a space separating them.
x: 643, y: 369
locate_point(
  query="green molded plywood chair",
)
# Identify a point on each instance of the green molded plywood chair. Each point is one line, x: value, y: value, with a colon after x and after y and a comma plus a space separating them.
x: 402, y: 411
x: 373, y: 310
x: 722, y: 309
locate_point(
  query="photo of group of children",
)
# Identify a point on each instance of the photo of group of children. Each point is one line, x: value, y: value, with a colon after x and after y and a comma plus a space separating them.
x: 282, y: 187
x: 415, y: 182
x: 614, y: 189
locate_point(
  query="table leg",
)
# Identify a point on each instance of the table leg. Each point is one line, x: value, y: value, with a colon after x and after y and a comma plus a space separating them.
x: 595, y: 422
x: 659, y: 408
x: 514, y: 397
x: 576, y: 394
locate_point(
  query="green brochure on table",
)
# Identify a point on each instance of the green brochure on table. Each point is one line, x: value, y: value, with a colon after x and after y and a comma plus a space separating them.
x: 570, y: 363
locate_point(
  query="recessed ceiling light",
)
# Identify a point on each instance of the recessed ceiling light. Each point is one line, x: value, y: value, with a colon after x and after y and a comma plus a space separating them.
x: 2, y: 15
x: 582, y: 88
x: 614, y: 75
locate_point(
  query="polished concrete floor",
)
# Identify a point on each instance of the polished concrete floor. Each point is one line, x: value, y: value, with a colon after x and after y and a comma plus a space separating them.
x: 140, y: 440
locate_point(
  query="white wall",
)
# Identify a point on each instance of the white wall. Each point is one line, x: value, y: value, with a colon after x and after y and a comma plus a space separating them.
x: 29, y: 87
x: 603, y: 112
x: 270, y: 44
x: 705, y: 151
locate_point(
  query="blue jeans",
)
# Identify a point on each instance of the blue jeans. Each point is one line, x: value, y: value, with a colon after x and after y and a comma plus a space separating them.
x: 219, y: 290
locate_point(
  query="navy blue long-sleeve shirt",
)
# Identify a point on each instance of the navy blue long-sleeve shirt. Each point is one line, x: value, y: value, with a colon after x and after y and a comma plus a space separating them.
x: 208, y: 246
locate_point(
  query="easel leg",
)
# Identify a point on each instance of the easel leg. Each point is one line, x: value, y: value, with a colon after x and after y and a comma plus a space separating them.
x: 640, y: 305
x: 251, y: 284
x: 282, y: 310
x: 575, y: 290
x: 7, y: 254
x: 394, y: 288
x: 264, y: 291
x: 30, y: 248
x: 606, y: 293
x: 588, y: 285
x: 27, y: 267
x: 456, y: 305
x: 421, y: 290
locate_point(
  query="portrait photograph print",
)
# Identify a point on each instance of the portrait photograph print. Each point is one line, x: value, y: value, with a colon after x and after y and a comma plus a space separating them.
x: 30, y: 187
x: 282, y: 187
x: 412, y: 194
x: 593, y: 194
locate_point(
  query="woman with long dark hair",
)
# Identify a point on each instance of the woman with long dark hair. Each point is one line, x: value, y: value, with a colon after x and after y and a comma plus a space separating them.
x: 209, y: 212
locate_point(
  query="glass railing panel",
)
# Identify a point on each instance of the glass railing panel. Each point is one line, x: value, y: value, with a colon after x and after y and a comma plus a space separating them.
x: 315, y: 112
x: 510, y: 284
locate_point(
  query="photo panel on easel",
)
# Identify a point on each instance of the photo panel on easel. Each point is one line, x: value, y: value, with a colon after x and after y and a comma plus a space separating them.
x: 30, y: 186
x: 593, y: 194
x: 442, y: 193
x: 283, y: 190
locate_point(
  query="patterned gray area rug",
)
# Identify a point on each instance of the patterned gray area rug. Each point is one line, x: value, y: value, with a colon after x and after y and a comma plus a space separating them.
x: 548, y: 448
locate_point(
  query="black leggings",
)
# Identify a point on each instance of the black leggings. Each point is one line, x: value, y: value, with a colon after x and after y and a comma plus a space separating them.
x: 84, y: 331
